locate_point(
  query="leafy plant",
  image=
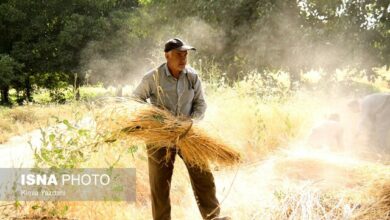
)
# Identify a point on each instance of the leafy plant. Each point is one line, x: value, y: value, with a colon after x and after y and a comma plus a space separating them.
x: 65, y: 146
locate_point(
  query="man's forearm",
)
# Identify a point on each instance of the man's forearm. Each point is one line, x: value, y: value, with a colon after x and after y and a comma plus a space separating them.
x: 199, y: 110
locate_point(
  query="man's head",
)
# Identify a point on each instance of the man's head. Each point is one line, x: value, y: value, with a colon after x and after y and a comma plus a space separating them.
x: 334, y: 117
x: 354, y: 106
x: 176, y: 54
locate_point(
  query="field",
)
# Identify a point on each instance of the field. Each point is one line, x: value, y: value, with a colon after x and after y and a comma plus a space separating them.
x: 279, y: 178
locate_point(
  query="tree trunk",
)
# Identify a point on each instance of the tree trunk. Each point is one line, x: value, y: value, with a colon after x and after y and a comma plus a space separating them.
x: 78, y: 93
x: 28, y: 89
x: 5, y: 95
x: 76, y: 86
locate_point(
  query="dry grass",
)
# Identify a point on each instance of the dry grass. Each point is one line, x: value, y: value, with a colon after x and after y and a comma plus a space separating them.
x: 21, y: 119
x: 299, y: 184
x: 270, y: 184
x: 263, y: 191
x: 379, y: 208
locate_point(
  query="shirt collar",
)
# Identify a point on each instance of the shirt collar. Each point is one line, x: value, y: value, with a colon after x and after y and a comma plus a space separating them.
x: 167, y: 73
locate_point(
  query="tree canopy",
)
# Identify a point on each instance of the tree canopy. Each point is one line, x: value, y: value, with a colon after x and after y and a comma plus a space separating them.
x: 113, y: 40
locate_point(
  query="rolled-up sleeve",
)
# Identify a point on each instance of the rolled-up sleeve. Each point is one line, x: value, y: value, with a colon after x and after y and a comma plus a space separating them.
x: 199, y: 104
x: 143, y: 90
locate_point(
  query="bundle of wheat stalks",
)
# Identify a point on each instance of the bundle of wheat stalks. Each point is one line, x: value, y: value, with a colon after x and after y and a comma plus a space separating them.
x: 385, y: 198
x: 379, y: 208
x: 159, y: 129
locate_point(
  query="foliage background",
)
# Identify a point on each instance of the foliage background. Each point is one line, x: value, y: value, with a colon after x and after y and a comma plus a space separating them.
x: 56, y: 44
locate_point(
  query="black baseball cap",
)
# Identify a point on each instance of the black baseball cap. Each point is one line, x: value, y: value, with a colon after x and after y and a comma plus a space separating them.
x: 178, y: 44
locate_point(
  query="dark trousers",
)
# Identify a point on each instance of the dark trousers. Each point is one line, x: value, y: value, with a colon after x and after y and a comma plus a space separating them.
x: 160, y: 176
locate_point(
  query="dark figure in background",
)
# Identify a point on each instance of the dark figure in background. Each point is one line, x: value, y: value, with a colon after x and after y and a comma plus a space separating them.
x: 374, y: 121
x: 176, y: 88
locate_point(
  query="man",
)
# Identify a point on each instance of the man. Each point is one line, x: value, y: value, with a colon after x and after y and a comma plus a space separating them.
x: 374, y: 126
x: 176, y: 88
x: 328, y: 134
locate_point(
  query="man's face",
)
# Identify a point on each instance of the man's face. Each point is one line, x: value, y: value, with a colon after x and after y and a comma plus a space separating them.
x: 354, y: 106
x: 176, y: 59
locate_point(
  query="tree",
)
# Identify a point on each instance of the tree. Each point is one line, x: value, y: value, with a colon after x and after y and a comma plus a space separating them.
x: 276, y: 34
x: 49, y: 36
x: 356, y: 29
x: 9, y: 70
